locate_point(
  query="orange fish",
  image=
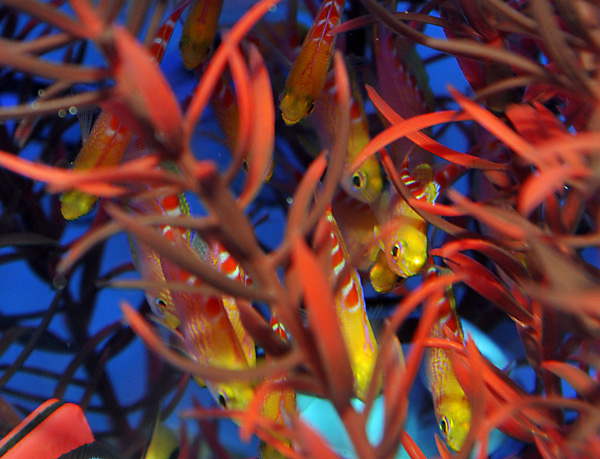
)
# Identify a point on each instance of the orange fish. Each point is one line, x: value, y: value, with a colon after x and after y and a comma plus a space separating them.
x: 307, y: 77
x: 209, y: 336
x: 109, y: 137
x: 278, y: 404
x: 199, y: 32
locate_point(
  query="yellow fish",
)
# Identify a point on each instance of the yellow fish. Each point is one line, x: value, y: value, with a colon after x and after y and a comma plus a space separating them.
x: 350, y: 305
x: 405, y: 249
x: 367, y: 182
x: 452, y: 408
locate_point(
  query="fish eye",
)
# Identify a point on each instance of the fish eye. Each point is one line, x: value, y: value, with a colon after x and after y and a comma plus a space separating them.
x: 311, y: 108
x: 395, y: 250
x: 245, y: 165
x: 222, y: 401
x: 445, y: 426
x: 358, y: 180
x: 159, y: 306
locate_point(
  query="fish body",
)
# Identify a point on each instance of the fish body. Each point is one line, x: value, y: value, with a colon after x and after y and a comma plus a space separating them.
x: 366, y: 183
x: 199, y: 32
x: 402, y: 77
x: 226, y: 264
x: 109, y: 137
x: 307, y: 77
x: 451, y: 405
x: 163, y: 443
x: 357, y: 221
x: 350, y: 306
x: 210, y: 325
x: 104, y: 147
x: 226, y: 110
x: 58, y: 429
x: 147, y: 261
x: 209, y: 336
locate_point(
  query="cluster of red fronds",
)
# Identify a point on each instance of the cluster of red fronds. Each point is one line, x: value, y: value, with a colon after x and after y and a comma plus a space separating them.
x: 523, y: 241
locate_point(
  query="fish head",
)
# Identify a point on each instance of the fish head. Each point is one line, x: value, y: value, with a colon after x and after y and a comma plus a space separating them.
x: 408, y: 248
x: 454, y: 421
x: 233, y: 395
x: 366, y: 183
x: 193, y: 52
x: 163, y: 308
x: 295, y: 107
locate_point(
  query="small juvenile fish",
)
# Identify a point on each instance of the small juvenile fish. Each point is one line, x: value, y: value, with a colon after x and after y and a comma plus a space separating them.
x: 307, y: 77
x: 452, y: 408
x: 199, y: 32
x: 367, y: 182
x: 224, y: 104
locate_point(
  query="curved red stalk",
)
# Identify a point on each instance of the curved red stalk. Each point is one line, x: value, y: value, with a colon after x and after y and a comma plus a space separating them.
x: 262, y: 136
x: 323, y: 321
x: 155, y: 342
x: 424, y: 141
x: 245, y: 102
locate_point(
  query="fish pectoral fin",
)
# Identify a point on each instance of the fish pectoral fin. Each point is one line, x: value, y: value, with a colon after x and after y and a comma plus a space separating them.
x: 382, y: 277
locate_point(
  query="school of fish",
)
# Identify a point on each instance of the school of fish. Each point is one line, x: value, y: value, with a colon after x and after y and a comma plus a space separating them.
x: 368, y: 229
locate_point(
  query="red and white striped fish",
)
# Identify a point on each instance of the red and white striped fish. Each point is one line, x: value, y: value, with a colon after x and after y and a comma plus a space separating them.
x: 209, y: 324
x: 147, y: 261
x: 350, y: 304
x: 209, y: 334
x: 307, y: 77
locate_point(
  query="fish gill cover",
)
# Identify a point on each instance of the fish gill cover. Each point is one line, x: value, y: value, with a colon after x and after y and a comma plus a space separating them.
x: 403, y: 263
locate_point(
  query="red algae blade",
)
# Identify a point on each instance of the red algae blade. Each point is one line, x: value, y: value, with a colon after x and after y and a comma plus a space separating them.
x: 324, y: 323
x: 149, y: 99
x: 262, y: 139
x: 427, y: 142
